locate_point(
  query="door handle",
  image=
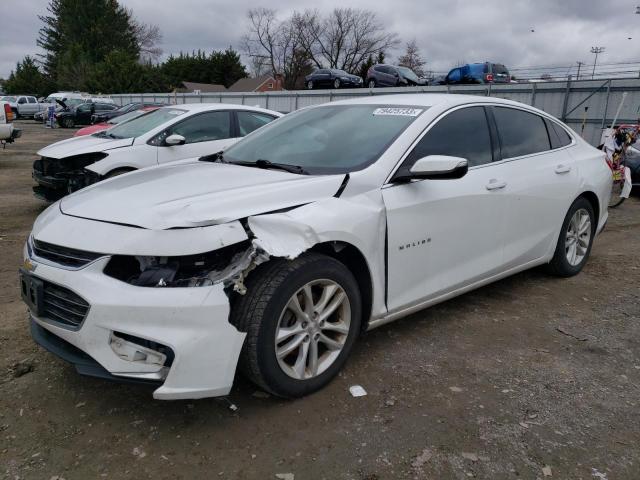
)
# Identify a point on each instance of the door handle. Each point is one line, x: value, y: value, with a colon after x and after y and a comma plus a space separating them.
x: 495, y: 184
x: 563, y: 169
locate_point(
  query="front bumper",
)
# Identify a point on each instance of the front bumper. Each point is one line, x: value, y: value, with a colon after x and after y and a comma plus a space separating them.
x: 192, y: 322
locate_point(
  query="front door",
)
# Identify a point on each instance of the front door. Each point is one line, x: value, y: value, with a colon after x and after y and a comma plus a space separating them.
x: 445, y: 234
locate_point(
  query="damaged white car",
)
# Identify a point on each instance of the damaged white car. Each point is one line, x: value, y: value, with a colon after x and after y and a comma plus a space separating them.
x: 333, y: 220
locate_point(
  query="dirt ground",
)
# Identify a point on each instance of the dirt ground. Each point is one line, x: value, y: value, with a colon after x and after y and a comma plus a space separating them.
x: 532, y: 377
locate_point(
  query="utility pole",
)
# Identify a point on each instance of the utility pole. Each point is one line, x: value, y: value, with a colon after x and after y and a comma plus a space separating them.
x: 579, y: 67
x: 597, y: 51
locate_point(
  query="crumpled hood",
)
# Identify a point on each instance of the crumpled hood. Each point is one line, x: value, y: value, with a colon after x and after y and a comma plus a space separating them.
x: 195, y: 194
x: 79, y: 145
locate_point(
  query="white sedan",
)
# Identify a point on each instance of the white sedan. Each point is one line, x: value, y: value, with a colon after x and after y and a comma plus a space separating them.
x: 165, y: 135
x: 331, y: 221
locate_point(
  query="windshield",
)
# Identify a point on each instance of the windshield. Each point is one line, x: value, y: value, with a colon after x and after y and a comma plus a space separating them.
x: 408, y: 73
x: 126, y: 117
x: 328, y: 139
x: 8, y: 99
x: 145, y: 123
x: 339, y: 72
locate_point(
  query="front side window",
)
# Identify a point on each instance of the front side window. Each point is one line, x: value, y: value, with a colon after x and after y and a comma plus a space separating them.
x: 327, y: 139
x: 250, y: 121
x: 463, y: 133
x: 205, y: 127
x: 521, y: 133
x: 145, y: 123
x: 408, y: 73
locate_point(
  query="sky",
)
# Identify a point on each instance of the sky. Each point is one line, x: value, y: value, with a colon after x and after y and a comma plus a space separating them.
x: 518, y: 33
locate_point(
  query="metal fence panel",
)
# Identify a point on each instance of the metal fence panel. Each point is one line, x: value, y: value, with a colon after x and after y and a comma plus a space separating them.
x: 559, y: 99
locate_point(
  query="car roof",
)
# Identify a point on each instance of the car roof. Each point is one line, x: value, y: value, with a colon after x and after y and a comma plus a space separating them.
x: 427, y: 100
x: 205, y: 107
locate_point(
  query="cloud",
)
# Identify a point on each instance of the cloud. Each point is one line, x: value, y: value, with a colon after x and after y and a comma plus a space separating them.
x: 447, y: 31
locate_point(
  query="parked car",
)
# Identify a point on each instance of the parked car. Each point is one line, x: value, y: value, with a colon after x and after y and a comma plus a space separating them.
x: 81, y: 114
x: 68, y: 103
x: 28, y: 106
x: 475, y: 73
x: 331, y: 78
x: 383, y: 75
x: 165, y: 135
x: 100, y: 117
x: 99, y: 127
x: 8, y: 133
x: 299, y: 237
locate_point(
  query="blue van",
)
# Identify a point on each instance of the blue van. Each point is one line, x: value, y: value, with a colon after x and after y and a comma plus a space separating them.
x: 474, y: 73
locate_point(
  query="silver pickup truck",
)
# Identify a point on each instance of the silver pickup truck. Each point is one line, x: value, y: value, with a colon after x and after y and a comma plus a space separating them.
x: 24, y: 105
x: 8, y: 133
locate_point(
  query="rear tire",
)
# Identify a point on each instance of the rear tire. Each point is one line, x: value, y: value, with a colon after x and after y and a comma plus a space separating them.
x: 273, y: 355
x: 575, y: 240
x: 336, y: 83
x: 371, y: 83
x: 310, y: 85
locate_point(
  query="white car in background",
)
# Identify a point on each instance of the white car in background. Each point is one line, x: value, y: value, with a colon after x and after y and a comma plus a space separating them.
x: 8, y: 133
x: 330, y: 221
x: 165, y: 135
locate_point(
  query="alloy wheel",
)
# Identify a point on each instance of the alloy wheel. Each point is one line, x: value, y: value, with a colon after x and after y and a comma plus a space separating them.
x: 310, y: 85
x: 578, y: 237
x: 312, y: 329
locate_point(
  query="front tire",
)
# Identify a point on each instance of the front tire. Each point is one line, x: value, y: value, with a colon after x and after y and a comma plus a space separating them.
x: 575, y: 240
x: 67, y: 123
x: 302, y: 318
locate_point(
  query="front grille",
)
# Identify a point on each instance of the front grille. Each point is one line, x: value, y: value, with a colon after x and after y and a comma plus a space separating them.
x: 62, y: 305
x: 68, y: 257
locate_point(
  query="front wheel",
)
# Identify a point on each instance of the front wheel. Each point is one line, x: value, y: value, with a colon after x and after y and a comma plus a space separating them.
x: 67, y: 123
x: 575, y: 240
x: 302, y: 318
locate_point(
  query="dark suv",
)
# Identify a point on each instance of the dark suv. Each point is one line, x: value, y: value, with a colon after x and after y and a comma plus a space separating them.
x: 474, y: 73
x: 382, y: 75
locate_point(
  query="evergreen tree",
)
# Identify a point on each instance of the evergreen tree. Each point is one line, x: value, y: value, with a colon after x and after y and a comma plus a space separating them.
x: 28, y: 79
x: 84, y: 31
x: 366, y: 65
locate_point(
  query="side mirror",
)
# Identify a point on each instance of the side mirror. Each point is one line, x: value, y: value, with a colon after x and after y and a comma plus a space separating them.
x: 174, y: 139
x: 435, y: 167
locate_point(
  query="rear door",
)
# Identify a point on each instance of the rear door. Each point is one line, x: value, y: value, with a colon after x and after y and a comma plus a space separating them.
x: 445, y: 234
x: 540, y: 173
x: 204, y: 133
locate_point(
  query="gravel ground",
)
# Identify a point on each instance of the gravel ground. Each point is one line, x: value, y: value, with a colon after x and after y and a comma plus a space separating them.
x: 532, y: 377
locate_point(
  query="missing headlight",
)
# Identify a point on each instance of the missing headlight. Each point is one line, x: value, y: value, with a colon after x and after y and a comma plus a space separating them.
x: 198, y: 270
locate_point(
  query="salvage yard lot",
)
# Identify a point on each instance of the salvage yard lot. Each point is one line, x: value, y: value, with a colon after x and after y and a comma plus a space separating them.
x: 530, y: 377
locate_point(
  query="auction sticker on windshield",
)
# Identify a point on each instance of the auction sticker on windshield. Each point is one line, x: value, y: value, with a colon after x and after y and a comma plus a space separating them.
x: 403, y: 112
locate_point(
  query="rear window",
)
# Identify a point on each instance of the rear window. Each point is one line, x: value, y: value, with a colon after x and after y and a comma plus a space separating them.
x: 521, y: 133
x: 500, y: 69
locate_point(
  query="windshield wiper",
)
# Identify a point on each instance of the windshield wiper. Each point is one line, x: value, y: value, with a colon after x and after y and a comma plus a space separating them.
x: 267, y: 164
x: 214, y: 157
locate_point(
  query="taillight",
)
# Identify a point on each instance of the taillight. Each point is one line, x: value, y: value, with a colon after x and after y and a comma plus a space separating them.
x: 8, y: 113
x: 489, y: 77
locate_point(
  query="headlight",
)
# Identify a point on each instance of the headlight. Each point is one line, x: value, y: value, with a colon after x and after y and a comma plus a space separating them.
x: 200, y: 270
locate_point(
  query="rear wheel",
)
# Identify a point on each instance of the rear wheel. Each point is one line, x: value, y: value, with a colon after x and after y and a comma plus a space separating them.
x: 372, y: 83
x: 302, y: 318
x: 575, y: 240
x: 310, y: 84
x: 336, y: 83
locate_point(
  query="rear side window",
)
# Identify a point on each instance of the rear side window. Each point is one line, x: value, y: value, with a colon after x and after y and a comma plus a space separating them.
x: 250, y: 121
x: 463, y: 133
x: 32, y: 100
x: 558, y: 135
x: 521, y: 133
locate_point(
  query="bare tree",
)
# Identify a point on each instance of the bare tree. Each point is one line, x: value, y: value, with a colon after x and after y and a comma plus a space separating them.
x: 412, y: 59
x: 276, y: 46
x: 148, y: 37
x: 344, y: 39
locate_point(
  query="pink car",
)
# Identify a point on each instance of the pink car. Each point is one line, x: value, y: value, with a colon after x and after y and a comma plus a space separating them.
x: 98, y: 127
